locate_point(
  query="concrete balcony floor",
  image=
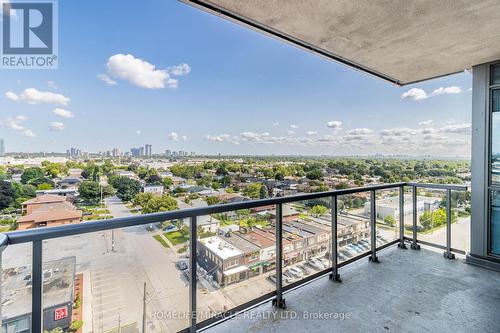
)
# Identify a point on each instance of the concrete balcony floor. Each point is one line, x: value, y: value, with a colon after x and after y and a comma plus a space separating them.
x: 409, y: 291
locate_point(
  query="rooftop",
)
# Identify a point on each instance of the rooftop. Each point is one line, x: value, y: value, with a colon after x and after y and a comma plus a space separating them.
x: 46, y: 198
x: 409, y: 291
x: 220, y: 247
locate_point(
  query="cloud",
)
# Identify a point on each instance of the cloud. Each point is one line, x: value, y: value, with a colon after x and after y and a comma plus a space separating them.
x: 56, y: 126
x: 179, y: 70
x: 15, y: 124
x: 418, y: 94
x: 360, y: 131
x: 335, y: 124
x: 106, y: 79
x: 141, y: 73
x: 447, y: 90
x: 173, y: 136
x: 28, y: 133
x: 426, y: 123
x: 12, y: 124
x: 184, y: 138
x: 312, y: 132
x: 172, y: 83
x: 293, y: 126
x: 290, y: 132
x: 63, y: 113
x: 276, y: 124
x: 52, y: 85
x: 34, y: 96
x: 399, y: 132
x: 415, y: 94
x: 138, y: 132
x: 457, y: 128
x: 221, y: 138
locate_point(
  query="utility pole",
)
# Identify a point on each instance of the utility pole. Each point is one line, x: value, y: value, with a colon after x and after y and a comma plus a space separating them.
x: 144, y: 310
x: 119, y: 324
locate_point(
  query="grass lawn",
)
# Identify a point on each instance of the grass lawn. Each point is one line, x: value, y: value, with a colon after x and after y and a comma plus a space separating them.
x: 159, y: 239
x: 176, y: 237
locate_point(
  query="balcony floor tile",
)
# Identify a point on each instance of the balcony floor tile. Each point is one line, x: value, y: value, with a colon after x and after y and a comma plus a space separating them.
x: 409, y: 291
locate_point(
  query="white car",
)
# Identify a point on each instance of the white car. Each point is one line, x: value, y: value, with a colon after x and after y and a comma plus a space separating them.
x: 297, y: 272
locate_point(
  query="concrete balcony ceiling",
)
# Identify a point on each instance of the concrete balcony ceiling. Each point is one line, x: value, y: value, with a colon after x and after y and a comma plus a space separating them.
x: 400, y: 41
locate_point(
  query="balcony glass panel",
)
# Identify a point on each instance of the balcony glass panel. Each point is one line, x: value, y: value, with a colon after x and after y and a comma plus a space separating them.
x: 16, y: 288
x: 236, y: 253
x: 431, y: 216
x: 460, y: 226
x: 387, y: 208
x: 99, y: 280
x: 354, y: 224
x: 307, y: 231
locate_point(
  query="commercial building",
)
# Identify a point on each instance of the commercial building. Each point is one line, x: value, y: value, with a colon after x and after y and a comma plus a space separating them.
x: 2, y: 147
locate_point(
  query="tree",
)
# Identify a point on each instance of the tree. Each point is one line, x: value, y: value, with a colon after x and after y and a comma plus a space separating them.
x: 31, y: 174
x: 154, y: 179
x: 141, y: 199
x: 425, y: 219
x: 90, y: 191
x: 160, y: 204
x: 167, y: 182
x: 314, y: 174
x: 45, y: 186
x: 252, y: 190
x: 319, y: 210
x: 7, y: 195
x: 390, y: 220
x: 126, y: 189
x: 263, y: 192
x: 212, y: 201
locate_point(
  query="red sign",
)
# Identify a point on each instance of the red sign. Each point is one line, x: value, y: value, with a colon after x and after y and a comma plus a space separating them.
x: 61, y: 313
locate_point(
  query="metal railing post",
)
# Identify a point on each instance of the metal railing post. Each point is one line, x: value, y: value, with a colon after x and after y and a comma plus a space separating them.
x: 373, y: 231
x: 3, y: 245
x: 279, y: 301
x: 402, y: 244
x: 335, y: 276
x: 447, y: 254
x: 192, y: 273
x: 37, y: 288
x: 414, y: 244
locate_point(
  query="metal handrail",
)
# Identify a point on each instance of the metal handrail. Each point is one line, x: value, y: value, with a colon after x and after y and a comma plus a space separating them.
x: 37, y: 236
x: 24, y: 236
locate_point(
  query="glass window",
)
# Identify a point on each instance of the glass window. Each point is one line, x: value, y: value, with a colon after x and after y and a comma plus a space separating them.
x: 495, y: 148
x: 495, y: 105
x: 495, y: 74
x: 495, y: 222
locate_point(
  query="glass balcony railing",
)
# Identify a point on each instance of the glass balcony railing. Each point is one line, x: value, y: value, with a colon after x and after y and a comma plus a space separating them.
x: 184, y: 270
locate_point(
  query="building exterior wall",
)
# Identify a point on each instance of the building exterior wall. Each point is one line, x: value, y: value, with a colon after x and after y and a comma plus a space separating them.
x: 30, y: 225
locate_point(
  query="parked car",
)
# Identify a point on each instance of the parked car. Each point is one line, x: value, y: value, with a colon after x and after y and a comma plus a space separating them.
x: 319, y: 263
x: 272, y: 278
x: 181, y: 265
x: 305, y: 269
x: 297, y: 272
x: 348, y: 253
x: 288, y: 276
x: 326, y: 262
x: 314, y: 265
x: 341, y: 257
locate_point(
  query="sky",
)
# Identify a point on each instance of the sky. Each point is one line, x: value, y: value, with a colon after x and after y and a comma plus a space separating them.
x: 164, y: 73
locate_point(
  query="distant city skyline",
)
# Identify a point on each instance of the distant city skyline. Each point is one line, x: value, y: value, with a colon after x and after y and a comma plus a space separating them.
x: 199, y: 83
